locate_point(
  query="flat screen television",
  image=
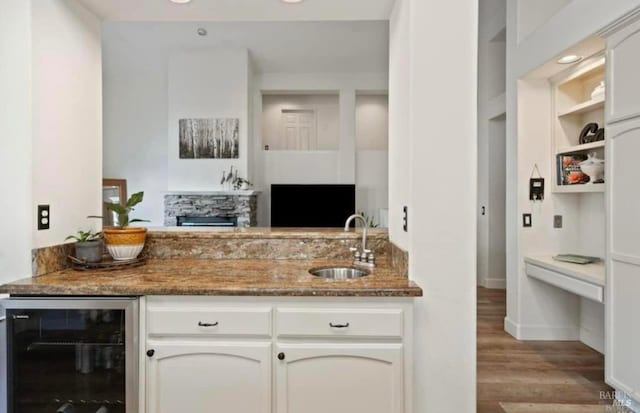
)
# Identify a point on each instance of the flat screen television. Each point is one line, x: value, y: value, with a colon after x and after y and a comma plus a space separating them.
x: 314, y: 206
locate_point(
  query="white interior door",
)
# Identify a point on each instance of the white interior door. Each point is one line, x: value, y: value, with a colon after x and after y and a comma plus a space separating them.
x: 206, y: 377
x: 299, y: 129
x: 339, y: 378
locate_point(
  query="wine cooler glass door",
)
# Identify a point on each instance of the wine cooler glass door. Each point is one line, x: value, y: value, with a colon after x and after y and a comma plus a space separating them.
x: 69, y: 356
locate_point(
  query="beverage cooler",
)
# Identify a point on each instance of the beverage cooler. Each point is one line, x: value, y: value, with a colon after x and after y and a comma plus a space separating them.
x: 71, y: 355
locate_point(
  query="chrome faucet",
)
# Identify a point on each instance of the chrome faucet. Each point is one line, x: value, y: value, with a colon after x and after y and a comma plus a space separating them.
x: 364, y: 256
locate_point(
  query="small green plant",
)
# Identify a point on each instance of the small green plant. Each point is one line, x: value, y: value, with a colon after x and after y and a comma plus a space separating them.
x: 371, y: 221
x: 123, y: 211
x: 85, y: 236
x: 233, y: 179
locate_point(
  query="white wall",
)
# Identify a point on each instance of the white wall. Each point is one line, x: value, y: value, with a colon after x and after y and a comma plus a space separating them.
x: 442, y: 224
x: 372, y: 122
x: 135, y: 141
x: 15, y: 141
x: 372, y: 154
x: 67, y: 117
x: 206, y: 84
x: 533, y: 14
x: 399, y: 127
x: 327, y: 112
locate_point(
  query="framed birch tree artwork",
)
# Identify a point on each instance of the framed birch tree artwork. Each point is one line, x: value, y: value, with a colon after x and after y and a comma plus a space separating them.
x: 209, y: 138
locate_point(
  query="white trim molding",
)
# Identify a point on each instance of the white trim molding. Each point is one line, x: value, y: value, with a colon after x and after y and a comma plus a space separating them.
x: 544, y: 333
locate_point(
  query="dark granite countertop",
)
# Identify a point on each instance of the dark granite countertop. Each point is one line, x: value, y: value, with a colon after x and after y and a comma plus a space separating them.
x: 239, y: 277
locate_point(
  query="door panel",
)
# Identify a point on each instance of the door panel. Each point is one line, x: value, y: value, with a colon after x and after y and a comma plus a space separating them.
x: 206, y: 377
x: 623, y: 65
x: 339, y: 378
x: 299, y: 129
x: 622, y: 335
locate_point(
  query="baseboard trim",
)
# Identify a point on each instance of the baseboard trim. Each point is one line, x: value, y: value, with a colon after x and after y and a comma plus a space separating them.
x: 544, y: 333
x: 595, y: 341
x: 495, y: 283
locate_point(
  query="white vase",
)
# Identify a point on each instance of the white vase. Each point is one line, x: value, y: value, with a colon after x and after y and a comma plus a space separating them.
x: 594, y: 168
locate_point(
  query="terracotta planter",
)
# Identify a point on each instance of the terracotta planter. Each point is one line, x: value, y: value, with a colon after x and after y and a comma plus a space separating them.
x: 125, y: 243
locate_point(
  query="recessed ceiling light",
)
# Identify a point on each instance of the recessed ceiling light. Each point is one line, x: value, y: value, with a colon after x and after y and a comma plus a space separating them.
x: 569, y: 59
x: 180, y: 1
x: 292, y: 1
x: 202, y: 32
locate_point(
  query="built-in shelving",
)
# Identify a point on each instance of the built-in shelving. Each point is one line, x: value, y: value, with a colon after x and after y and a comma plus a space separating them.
x: 584, y: 107
x: 574, y: 107
x: 585, y: 147
x: 579, y: 188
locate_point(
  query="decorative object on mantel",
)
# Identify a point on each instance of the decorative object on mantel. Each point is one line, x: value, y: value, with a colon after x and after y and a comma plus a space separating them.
x: 125, y: 242
x: 88, y: 246
x: 594, y: 168
x: 209, y: 138
x: 598, y: 91
x: 591, y: 133
x: 231, y: 181
x: 106, y: 263
x: 576, y: 259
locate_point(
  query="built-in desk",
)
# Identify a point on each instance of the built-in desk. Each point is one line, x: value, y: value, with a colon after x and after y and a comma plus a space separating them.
x: 585, y: 280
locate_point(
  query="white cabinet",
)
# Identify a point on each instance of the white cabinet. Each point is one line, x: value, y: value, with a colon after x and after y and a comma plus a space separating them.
x: 200, y: 377
x: 623, y: 212
x: 277, y: 355
x: 339, y: 378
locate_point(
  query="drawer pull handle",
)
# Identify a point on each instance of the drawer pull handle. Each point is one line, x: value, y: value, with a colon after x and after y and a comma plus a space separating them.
x: 345, y: 325
x: 201, y: 324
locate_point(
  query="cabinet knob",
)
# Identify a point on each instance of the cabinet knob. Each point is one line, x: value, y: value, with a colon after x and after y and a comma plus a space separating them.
x: 280, y: 356
x: 151, y: 352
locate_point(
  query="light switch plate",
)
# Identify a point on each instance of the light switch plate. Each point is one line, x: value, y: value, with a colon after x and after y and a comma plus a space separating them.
x: 557, y: 221
x: 526, y: 220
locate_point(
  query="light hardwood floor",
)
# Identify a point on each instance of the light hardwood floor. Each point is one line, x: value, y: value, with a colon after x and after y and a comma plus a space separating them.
x: 534, y: 376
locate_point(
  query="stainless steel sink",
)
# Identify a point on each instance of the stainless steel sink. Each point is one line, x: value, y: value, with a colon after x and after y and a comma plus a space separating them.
x: 339, y: 273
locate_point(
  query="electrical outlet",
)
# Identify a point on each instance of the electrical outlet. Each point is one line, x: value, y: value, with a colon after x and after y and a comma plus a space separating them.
x: 44, y: 217
x: 405, y: 219
x: 526, y: 220
x: 557, y: 221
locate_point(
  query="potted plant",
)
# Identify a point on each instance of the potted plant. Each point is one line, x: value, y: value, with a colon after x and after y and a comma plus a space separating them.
x: 123, y: 241
x: 88, y: 245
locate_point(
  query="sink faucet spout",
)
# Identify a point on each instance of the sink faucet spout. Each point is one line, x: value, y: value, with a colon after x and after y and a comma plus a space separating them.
x: 364, y: 228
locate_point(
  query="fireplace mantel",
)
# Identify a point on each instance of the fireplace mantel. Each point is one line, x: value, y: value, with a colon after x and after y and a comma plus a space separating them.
x: 240, y: 204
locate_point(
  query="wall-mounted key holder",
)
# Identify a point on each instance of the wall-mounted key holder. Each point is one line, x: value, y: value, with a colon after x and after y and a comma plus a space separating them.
x: 536, y: 185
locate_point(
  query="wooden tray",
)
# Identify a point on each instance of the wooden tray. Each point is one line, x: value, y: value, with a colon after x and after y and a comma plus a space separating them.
x: 107, y: 263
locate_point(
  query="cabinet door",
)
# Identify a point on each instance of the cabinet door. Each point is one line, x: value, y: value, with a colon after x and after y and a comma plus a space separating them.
x: 207, y: 377
x: 339, y: 378
x: 623, y: 260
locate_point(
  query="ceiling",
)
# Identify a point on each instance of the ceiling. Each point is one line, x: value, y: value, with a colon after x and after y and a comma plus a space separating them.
x: 275, y: 47
x: 240, y: 10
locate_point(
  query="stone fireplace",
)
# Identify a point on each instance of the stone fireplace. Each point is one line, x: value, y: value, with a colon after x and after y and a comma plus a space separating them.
x: 241, y: 205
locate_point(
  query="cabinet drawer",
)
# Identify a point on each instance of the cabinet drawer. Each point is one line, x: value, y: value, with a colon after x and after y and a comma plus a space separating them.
x: 336, y: 323
x: 209, y: 321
